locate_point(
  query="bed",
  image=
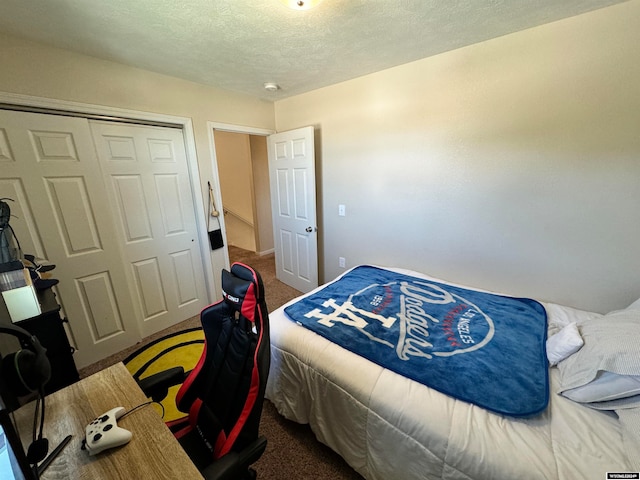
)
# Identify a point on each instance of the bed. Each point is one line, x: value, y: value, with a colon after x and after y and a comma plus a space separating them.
x: 387, y: 426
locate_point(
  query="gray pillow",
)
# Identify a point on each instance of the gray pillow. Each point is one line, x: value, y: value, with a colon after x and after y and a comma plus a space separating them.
x: 611, y: 344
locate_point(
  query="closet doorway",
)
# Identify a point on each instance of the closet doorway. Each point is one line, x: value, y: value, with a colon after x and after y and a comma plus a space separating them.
x: 112, y: 204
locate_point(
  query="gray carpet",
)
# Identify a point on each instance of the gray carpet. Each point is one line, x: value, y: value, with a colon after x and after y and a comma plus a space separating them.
x: 292, y: 449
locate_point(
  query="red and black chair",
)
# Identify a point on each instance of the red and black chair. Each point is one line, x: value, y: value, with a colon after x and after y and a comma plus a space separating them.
x: 224, y: 393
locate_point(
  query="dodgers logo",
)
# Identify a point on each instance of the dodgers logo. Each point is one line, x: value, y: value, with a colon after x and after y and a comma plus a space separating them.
x: 415, y: 318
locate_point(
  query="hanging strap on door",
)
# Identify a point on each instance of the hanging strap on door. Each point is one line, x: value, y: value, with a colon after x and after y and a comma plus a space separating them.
x: 212, y: 206
x: 215, y: 236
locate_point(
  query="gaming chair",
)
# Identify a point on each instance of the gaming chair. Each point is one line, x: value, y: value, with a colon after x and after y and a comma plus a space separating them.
x: 224, y: 393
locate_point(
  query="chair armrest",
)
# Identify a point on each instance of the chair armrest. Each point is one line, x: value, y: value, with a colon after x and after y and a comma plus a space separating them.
x: 157, y: 385
x: 235, y: 465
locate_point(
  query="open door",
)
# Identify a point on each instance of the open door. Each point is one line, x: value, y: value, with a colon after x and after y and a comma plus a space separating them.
x: 293, y: 204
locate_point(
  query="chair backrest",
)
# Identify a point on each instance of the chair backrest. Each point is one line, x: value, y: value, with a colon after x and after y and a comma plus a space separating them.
x: 224, y: 393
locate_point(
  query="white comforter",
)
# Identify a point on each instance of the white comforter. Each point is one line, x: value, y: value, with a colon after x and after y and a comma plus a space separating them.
x: 389, y: 427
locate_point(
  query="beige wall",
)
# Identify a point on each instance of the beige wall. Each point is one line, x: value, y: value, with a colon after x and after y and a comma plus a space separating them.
x: 233, y: 154
x: 512, y: 165
x: 262, y: 194
x: 29, y: 68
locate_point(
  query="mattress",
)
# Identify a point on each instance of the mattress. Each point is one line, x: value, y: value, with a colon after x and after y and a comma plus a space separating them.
x: 389, y: 427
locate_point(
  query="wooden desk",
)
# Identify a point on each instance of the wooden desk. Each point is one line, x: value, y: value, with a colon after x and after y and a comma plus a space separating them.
x: 152, y: 453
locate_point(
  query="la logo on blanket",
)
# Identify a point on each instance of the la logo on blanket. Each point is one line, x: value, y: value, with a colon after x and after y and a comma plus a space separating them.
x: 403, y: 315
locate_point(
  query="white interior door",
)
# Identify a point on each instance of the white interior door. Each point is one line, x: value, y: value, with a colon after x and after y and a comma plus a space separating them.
x: 49, y: 167
x: 293, y: 202
x: 146, y: 174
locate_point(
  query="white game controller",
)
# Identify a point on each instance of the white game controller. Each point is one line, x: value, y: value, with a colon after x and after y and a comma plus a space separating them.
x: 105, y: 433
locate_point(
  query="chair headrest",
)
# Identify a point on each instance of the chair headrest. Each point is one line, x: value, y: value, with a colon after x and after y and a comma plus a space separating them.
x: 241, y: 289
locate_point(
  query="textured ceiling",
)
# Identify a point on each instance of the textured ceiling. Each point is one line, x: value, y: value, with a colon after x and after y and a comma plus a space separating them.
x: 241, y: 44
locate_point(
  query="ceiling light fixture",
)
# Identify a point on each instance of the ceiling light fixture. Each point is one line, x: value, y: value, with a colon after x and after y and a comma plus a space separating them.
x: 271, y: 87
x: 301, y: 4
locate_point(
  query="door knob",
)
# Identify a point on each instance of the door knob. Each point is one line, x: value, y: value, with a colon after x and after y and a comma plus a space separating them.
x: 308, y: 229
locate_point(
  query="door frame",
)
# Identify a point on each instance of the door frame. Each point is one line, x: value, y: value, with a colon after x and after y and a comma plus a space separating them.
x: 227, y: 127
x: 68, y: 108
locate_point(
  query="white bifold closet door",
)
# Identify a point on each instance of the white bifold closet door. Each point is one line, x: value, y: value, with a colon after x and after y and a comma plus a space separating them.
x: 111, y: 205
x: 145, y: 172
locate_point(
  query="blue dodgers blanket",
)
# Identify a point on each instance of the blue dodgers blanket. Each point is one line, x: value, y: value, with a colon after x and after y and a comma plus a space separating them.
x: 482, y: 348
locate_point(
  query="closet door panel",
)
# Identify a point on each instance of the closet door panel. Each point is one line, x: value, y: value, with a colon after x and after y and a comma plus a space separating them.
x: 62, y: 214
x: 147, y: 174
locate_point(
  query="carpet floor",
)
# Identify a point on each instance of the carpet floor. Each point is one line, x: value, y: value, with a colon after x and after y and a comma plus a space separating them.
x: 293, y: 452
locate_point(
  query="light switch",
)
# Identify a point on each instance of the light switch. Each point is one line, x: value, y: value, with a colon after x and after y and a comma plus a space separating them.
x: 341, y: 210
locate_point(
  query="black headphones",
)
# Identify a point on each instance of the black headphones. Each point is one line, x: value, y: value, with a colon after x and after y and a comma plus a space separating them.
x: 26, y: 371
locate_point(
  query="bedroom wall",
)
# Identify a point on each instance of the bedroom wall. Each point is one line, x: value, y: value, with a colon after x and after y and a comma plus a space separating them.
x: 262, y: 194
x: 511, y: 165
x: 233, y: 153
x: 29, y: 68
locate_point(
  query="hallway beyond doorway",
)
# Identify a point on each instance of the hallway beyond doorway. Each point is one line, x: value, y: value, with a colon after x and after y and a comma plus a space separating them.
x: 276, y: 292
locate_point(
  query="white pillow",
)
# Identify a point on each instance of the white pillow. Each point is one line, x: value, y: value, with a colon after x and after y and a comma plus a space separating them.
x: 564, y: 343
x: 611, y: 344
x: 607, y: 386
